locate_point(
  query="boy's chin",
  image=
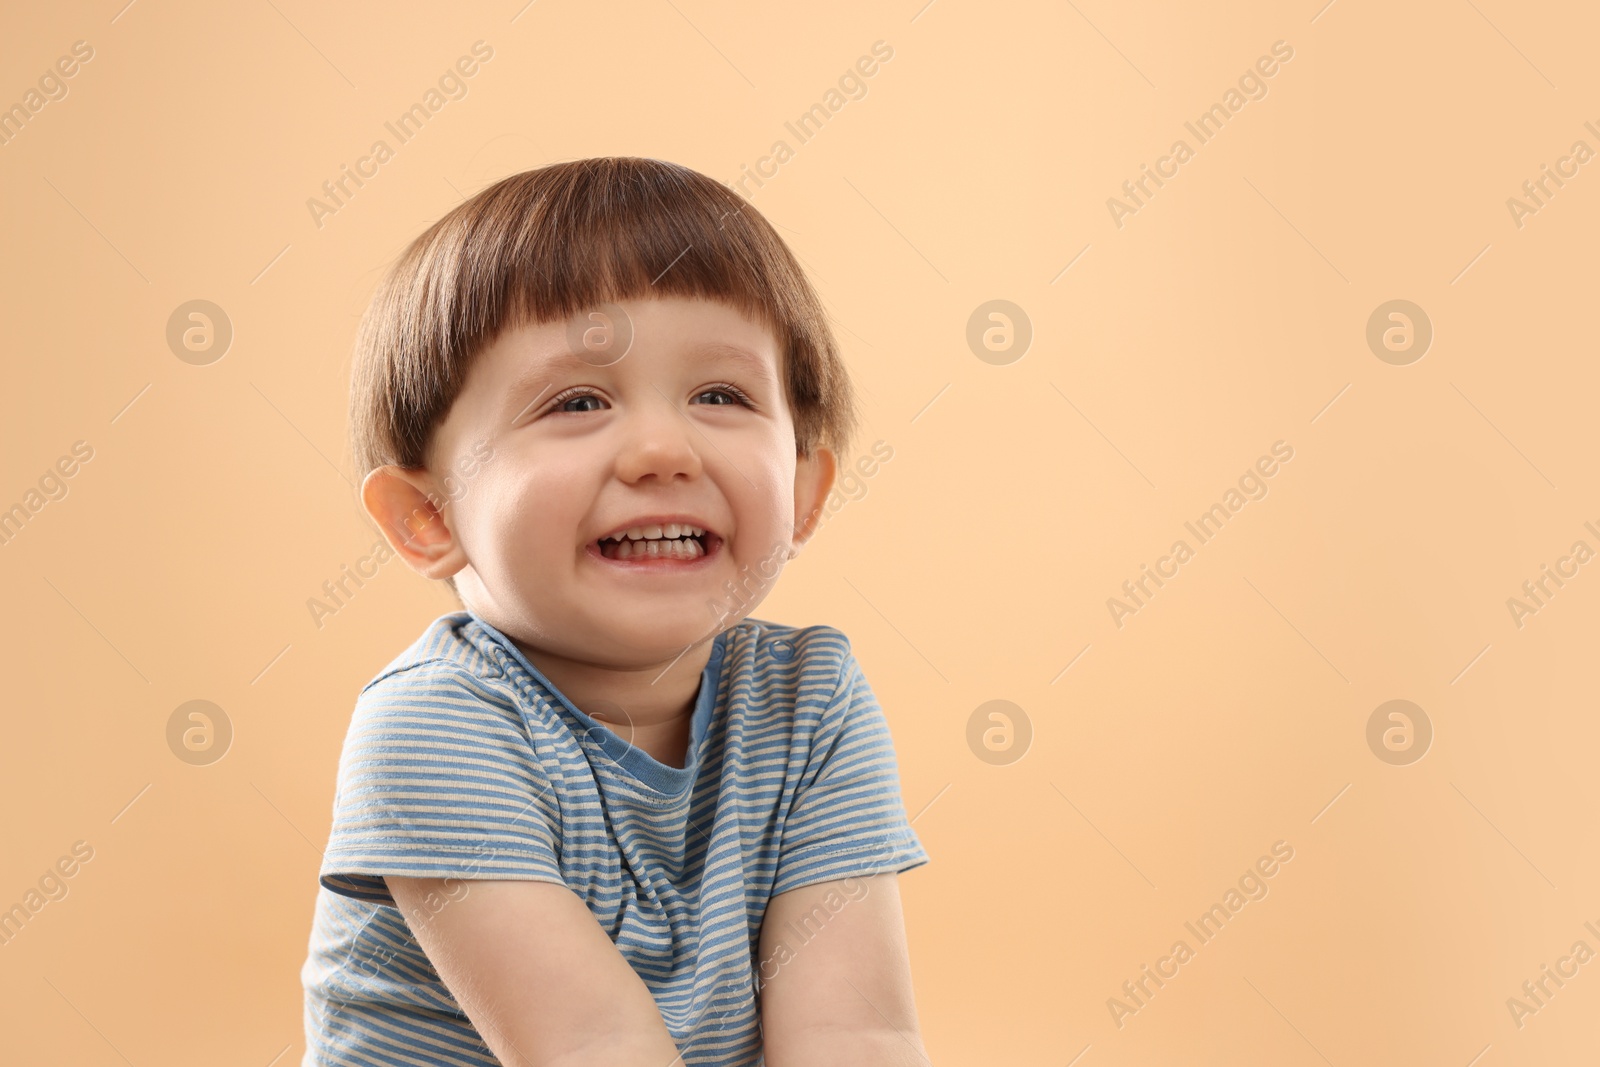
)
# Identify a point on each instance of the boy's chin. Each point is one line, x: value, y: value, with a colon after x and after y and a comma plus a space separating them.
x: 664, y: 638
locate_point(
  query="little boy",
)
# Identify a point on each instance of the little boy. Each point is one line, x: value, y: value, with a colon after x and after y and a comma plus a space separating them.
x: 603, y: 816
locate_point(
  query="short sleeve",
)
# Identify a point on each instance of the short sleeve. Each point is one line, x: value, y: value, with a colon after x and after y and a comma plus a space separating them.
x: 438, y: 778
x: 847, y: 818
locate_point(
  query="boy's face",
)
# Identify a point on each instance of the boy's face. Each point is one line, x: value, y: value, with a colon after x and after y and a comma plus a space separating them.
x: 581, y: 445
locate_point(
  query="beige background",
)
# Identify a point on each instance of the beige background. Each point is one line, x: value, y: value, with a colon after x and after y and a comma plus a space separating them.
x: 1229, y: 313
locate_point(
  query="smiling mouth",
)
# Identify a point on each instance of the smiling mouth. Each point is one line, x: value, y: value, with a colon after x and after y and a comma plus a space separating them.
x: 653, y: 543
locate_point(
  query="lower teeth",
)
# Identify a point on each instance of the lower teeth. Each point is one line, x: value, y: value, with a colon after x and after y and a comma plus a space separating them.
x: 662, y: 548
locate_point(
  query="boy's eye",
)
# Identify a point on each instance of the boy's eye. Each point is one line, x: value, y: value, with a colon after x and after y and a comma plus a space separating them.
x: 726, y: 390
x: 731, y: 393
x: 560, y: 404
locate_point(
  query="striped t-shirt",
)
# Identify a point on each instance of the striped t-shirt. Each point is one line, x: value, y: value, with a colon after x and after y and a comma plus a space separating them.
x: 462, y: 760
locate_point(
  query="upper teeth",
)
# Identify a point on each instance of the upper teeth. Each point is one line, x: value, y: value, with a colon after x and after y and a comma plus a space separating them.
x: 652, y: 533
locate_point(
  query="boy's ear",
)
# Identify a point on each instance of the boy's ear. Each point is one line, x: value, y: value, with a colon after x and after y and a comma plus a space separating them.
x: 408, y: 509
x: 813, y: 480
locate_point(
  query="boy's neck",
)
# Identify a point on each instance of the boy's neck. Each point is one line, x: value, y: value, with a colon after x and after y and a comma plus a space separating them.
x: 651, y: 708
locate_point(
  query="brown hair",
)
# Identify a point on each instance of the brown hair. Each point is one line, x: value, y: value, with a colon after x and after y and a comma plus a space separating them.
x: 546, y: 244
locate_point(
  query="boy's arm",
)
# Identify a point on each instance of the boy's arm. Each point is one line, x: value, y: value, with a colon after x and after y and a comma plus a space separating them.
x: 842, y: 998
x: 536, y: 975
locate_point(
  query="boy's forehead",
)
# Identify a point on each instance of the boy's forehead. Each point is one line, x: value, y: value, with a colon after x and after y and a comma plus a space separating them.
x: 560, y: 357
x: 549, y: 349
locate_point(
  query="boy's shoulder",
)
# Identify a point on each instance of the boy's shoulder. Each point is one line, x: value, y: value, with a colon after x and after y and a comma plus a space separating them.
x: 806, y: 668
x: 764, y: 642
x: 452, y: 642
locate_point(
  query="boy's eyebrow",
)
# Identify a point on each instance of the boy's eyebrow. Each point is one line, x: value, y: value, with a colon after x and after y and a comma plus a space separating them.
x: 542, y: 367
x: 739, y: 354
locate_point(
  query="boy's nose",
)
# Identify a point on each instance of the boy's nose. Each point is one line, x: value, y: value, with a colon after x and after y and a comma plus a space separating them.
x: 659, y: 440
